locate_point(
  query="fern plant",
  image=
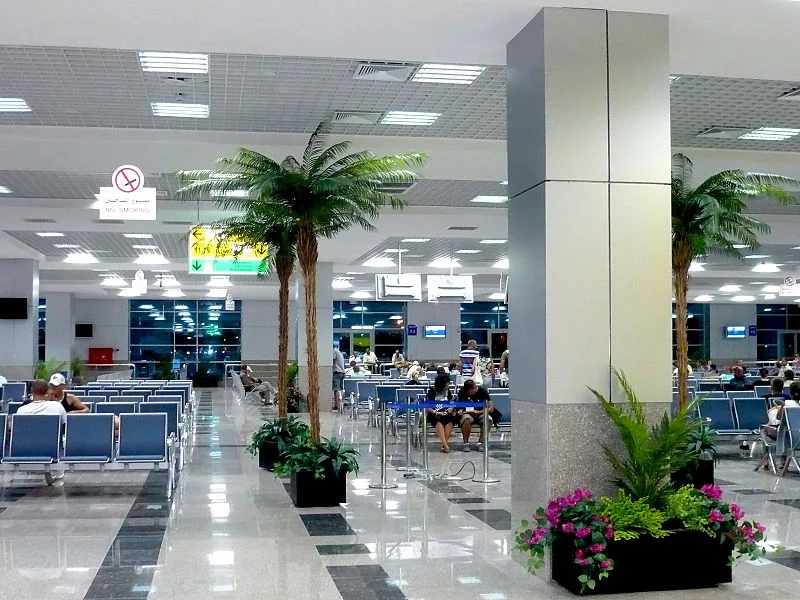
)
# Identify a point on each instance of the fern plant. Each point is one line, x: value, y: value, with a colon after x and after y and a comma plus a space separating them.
x: 45, y: 368
x: 652, y: 453
x: 687, y: 506
x: 632, y: 518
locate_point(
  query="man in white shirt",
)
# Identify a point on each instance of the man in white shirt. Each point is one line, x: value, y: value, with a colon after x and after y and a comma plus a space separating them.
x: 41, y: 404
x: 415, y: 368
x: 469, y: 359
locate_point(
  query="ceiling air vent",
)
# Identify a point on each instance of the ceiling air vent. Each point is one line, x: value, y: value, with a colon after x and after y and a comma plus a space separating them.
x: 177, y: 222
x: 397, y: 188
x: 375, y: 71
x: 108, y: 222
x: 724, y: 132
x: 32, y: 220
x: 461, y: 228
x: 356, y: 117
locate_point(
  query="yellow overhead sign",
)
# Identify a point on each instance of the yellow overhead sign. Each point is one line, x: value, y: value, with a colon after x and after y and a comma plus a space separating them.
x: 212, y: 252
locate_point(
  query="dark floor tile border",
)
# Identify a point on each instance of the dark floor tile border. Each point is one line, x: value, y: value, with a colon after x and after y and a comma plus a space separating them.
x: 724, y: 482
x: 326, y: 524
x: 340, y: 549
x: 362, y: 582
x: 751, y: 492
x: 496, y: 518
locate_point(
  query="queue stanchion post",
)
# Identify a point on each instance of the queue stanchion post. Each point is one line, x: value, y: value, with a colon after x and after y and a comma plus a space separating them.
x: 486, y: 429
x: 383, y: 484
x: 423, y: 439
x: 409, y: 417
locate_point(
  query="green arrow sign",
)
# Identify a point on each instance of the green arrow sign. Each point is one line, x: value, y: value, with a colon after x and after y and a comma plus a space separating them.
x: 196, y: 265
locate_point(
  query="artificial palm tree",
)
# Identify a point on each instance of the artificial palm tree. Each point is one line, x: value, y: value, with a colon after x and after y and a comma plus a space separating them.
x: 708, y: 219
x: 325, y: 193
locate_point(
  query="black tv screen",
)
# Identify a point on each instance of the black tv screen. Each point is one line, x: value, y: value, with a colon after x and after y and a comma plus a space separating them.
x: 84, y: 330
x: 13, y: 308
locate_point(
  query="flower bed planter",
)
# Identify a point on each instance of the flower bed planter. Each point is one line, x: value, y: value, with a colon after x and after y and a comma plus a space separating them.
x: 682, y: 560
x: 268, y: 455
x: 696, y: 475
x: 307, y: 491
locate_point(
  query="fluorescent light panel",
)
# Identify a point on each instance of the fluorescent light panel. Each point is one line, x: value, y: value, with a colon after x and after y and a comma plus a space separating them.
x: 766, y: 267
x: 730, y: 288
x: 402, y: 117
x: 439, y: 73
x: 415, y: 240
x: 379, y: 261
x: 743, y: 298
x: 360, y: 295
x: 138, y: 236
x: 770, y: 134
x: 704, y: 298
x: 173, y: 294
x: 80, y: 258
x: 490, y: 199
x: 4, y: 190
x: 444, y: 263
x: 14, y: 105
x: 497, y: 296
x: 493, y: 241
x: 46, y: 234
x: 151, y: 259
x: 179, y: 109
x: 501, y: 264
x: 467, y: 251
x: 173, y: 62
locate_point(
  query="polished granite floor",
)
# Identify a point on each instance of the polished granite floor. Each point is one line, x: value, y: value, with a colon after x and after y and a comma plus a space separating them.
x: 231, y: 532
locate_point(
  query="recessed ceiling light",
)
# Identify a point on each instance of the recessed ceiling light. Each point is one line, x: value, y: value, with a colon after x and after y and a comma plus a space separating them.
x: 396, y: 250
x: 497, y: 296
x: 230, y: 194
x: 757, y: 256
x: 771, y: 289
x: 770, y: 134
x: 46, y: 234
x: 4, y: 190
x: 730, y: 288
x: 113, y: 281
x: 438, y: 73
x: 65, y: 246
x: 355, y: 273
x: 766, y: 267
x: 151, y: 259
x: 402, y: 117
x: 444, y: 263
x: 173, y: 62
x: 414, y: 255
x: 341, y: 284
x: 493, y: 241
x: 14, y: 105
x: 129, y: 293
x: 173, y: 294
x: 758, y: 283
x: 362, y: 295
x: 490, y: 199
x: 146, y: 306
x: 138, y: 236
x: 740, y: 246
x: 704, y: 298
x: 769, y: 297
x: 696, y: 266
x: 467, y: 251
x: 179, y: 109
x: 144, y: 247
x: 501, y: 264
x: 415, y: 240
x: 80, y: 258
x: 743, y: 298
x: 379, y: 261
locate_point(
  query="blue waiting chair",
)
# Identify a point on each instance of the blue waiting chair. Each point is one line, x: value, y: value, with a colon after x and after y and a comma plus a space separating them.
x: 720, y: 415
x: 502, y: 402
x: 171, y: 409
x: 13, y: 392
x: 116, y: 408
x: 751, y: 413
x: 34, y: 439
x: 89, y: 439
x: 762, y: 390
x: 164, y: 398
x: 708, y: 386
x: 790, y: 429
x: 13, y: 407
x: 137, y: 392
x: 741, y: 394
x: 142, y: 438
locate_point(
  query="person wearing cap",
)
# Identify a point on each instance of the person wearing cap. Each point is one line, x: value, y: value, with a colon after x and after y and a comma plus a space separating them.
x: 41, y: 403
x: 68, y: 401
x: 417, y: 369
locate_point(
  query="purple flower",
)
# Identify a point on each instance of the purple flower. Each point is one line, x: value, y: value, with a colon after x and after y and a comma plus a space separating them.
x: 584, y: 562
x: 760, y: 528
x: 568, y: 528
x: 736, y: 512
x: 582, y: 532
x: 605, y: 564
x: 714, y: 516
x: 579, y: 554
x: 609, y: 532
x: 596, y: 548
x: 711, y: 491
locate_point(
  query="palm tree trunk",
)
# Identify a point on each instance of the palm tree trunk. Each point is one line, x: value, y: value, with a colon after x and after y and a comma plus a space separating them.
x: 283, y: 266
x: 681, y: 259
x: 307, y: 255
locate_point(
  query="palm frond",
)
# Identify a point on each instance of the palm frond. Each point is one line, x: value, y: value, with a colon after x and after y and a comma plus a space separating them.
x: 316, y: 145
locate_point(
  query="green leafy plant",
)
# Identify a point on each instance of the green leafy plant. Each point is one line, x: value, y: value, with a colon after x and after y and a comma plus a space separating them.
x: 632, y: 518
x: 709, y: 219
x: 292, y: 369
x: 652, y: 452
x: 45, y: 368
x: 283, y: 431
x: 688, y: 506
x: 164, y: 368
x: 700, y: 444
x: 330, y: 455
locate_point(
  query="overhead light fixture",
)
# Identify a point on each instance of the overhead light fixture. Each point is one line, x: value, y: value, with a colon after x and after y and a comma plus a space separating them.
x: 129, y: 293
x: 395, y: 317
x: 354, y: 273
x: 14, y: 105
x: 362, y: 327
x: 439, y: 73
x: 113, y: 282
x: 444, y: 263
x: 173, y: 294
x: 151, y: 259
x: 341, y: 284
x: 696, y: 266
x: 146, y: 306
x: 46, y: 234
x: 396, y: 250
x: 467, y: 251
x: 740, y: 246
x: 179, y: 109
x: 743, y: 298
x: 173, y: 62
x: 144, y: 247
x: 490, y: 199
x: 501, y: 264
x: 415, y: 240
x: 360, y: 295
x: 168, y: 282
x: 66, y: 246
x: 730, y: 288
x: 138, y: 236
x: 497, y: 296
x: 217, y: 293
x: 359, y: 308
x: 379, y: 261
x: 770, y: 134
x: 766, y: 267
x: 493, y: 241
x: 704, y: 298
x: 4, y: 190
x: 771, y: 289
x: 757, y: 256
x: 769, y: 297
x: 181, y: 307
x: 403, y: 117
x: 230, y: 194
x: 80, y: 258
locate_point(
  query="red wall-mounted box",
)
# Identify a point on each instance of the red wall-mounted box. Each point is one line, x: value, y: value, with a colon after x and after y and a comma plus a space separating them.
x: 101, y: 356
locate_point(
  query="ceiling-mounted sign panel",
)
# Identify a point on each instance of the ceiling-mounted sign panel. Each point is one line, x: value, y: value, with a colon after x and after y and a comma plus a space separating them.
x: 211, y: 252
x: 394, y: 286
x: 127, y: 199
x: 450, y: 288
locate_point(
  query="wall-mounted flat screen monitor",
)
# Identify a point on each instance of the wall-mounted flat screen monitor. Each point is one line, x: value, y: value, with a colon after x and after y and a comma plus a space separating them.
x: 736, y: 332
x: 13, y: 308
x: 435, y: 332
x: 84, y: 330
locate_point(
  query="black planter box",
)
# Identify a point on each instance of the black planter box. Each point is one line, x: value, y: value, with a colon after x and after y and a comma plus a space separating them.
x: 268, y: 455
x: 681, y: 561
x: 696, y: 475
x: 306, y: 491
x: 203, y: 380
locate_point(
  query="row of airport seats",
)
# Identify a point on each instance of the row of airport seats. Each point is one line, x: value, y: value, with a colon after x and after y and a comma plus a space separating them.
x: 36, y: 444
x: 711, y: 385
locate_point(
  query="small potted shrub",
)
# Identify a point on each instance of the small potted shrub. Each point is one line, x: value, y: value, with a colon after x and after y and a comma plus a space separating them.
x: 318, y: 471
x: 701, y: 456
x: 272, y: 439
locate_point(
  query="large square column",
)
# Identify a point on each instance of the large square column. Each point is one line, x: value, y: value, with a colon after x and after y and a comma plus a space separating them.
x: 19, y: 338
x: 60, y: 327
x: 589, y: 237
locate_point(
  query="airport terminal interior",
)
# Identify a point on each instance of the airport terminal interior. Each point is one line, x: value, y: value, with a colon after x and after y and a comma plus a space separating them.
x: 526, y: 255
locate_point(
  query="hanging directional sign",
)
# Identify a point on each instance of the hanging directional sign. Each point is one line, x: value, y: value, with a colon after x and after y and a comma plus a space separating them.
x: 128, y: 199
x: 211, y: 252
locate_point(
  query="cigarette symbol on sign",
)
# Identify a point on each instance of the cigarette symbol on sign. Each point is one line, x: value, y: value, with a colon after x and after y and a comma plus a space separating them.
x: 127, y: 178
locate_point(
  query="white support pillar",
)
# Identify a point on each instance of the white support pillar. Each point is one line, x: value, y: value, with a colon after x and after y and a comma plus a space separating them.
x: 324, y: 335
x: 19, y: 338
x: 60, y: 329
x: 589, y: 233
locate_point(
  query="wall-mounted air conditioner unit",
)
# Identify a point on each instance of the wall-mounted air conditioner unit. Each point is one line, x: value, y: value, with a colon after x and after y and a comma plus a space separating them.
x: 398, y: 287
x: 450, y: 288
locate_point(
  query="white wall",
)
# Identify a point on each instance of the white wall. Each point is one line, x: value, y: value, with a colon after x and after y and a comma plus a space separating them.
x: 424, y: 313
x: 19, y: 278
x: 60, y: 327
x: 722, y: 315
x: 111, y: 328
x: 260, y: 330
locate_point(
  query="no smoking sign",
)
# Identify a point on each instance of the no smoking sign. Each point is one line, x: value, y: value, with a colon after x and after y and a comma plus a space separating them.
x: 127, y: 178
x: 128, y: 199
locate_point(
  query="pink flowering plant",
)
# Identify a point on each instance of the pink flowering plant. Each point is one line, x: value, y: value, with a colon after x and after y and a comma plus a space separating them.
x: 577, y: 516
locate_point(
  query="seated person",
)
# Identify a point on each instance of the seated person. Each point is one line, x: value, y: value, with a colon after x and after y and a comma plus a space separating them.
x: 414, y: 379
x: 788, y: 376
x: 398, y: 360
x: 355, y: 370
x: 68, y: 401
x: 370, y: 358
x: 713, y: 372
x: 763, y: 375
x: 775, y: 414
x: 738, y: 382
x: 442, y: 418
x: 469, y: 392
x: 776, y: 390
x: 251, y: 383
x: 41, y: 403
x: 415, y: 368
